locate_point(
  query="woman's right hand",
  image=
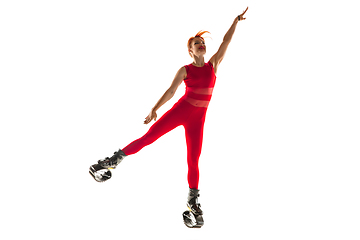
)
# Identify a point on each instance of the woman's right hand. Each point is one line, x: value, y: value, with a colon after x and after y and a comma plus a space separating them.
x: 152, y: 115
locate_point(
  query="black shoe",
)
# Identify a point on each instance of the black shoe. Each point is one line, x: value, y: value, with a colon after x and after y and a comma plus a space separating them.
x: 113, y: 161
x: 192, y: 203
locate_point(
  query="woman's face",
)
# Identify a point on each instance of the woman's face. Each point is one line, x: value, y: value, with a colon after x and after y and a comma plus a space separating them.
x: 198, y: 47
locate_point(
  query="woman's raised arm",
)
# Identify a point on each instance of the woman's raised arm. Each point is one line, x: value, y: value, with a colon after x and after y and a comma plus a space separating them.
x: 219, y: 55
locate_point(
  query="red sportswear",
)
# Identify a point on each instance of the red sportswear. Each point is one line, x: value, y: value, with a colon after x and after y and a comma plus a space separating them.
x: 189, y: 111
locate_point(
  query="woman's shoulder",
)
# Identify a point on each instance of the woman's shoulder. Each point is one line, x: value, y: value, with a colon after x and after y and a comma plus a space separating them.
x: 210, y: 63
x: 184, y: 69
x: 187, y: 69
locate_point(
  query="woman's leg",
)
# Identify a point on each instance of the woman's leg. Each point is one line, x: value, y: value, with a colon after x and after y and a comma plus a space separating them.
x: 194, y: 128
x: 170, y: 120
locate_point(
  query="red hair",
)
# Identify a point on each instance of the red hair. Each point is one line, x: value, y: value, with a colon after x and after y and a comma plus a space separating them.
x: 199, y: 34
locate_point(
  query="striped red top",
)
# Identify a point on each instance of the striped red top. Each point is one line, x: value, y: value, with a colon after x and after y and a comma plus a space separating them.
x: 200, y: 82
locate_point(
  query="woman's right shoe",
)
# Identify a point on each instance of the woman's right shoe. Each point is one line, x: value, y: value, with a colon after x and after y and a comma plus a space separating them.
x: 101, y: 170
x: 112, y: 162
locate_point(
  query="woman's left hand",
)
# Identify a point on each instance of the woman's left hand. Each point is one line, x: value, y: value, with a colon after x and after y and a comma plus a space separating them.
x: 241, y: 16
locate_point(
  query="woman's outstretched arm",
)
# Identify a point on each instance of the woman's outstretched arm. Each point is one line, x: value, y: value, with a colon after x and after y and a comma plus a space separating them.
x: 179, y: 77
x: 219, y: 55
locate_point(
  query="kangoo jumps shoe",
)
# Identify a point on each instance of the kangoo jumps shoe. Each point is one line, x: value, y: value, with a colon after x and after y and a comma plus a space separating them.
x: 113, y: 161
x: 101, y: 170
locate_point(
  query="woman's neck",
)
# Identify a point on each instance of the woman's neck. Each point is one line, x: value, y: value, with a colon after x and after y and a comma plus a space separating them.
x: 199, y: 61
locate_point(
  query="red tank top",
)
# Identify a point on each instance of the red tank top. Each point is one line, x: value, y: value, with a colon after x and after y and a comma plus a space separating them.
x: 200, y: 82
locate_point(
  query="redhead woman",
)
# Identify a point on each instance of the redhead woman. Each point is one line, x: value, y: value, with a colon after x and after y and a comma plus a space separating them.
x: 189, y: 111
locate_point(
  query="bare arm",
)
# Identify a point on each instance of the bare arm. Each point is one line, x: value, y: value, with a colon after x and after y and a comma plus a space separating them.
x: 219, y: 55
x: 179, y: 77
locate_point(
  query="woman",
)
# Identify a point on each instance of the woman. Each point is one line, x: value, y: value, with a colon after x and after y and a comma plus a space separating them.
x: 189, y: 111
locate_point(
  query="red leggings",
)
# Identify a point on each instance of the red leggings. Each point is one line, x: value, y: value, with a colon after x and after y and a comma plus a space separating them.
x: 192, y: 118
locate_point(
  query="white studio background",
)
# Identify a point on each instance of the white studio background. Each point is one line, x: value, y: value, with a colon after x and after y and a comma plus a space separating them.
x: 280, y: 156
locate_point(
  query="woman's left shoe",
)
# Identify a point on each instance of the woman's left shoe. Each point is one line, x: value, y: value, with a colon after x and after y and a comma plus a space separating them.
x: 194, y: 217
x: 193, y: 203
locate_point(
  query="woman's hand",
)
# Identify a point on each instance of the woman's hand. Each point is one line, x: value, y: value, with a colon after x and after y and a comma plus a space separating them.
x: 241, y: 16
x: 152, y: 115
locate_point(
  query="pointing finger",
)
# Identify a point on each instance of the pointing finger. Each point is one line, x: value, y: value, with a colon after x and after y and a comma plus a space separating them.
x: 245, y: 11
